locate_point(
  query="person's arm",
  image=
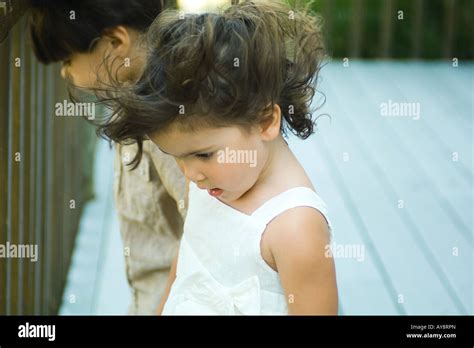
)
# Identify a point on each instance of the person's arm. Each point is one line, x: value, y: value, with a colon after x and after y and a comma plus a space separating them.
x: 169, y: 284
x: 298, y: 241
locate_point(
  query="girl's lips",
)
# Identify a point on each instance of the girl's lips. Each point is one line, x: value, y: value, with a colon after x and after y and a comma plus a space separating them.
x: 215, y: 192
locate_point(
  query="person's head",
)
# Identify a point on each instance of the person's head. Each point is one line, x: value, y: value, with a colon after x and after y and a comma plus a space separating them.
x: 93, y: 39
x: 222, y: 87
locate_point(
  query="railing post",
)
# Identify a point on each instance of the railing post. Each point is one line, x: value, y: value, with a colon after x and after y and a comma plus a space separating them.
x: 417, y: 28
x: 387, y: 19
x: 449, y: 23
x: 356, y: 27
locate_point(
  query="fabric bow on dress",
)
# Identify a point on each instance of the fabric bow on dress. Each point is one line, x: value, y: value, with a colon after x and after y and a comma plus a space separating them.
x: 201, y: 294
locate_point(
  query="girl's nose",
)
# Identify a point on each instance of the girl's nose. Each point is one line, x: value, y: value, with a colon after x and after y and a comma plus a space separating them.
x: 194, y: 176
x: 191, y: 173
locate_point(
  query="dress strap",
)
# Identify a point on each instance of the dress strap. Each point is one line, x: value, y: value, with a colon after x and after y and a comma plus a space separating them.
x: 295, y: 197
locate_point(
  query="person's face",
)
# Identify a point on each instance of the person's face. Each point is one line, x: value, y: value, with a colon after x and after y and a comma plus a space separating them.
x: 225, y: 161
x: 86, y: 69
x: 111, y: 54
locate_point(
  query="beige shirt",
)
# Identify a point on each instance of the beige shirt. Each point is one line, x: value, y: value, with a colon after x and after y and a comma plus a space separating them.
x: 150, y: 202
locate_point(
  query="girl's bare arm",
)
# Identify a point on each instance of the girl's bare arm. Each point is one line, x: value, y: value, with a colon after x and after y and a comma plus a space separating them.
x: 299, y: 239
x: 172, y: 275
x: 169, y: 284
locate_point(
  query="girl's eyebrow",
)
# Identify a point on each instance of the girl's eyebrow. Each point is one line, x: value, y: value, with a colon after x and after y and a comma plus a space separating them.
x: 190, y: 153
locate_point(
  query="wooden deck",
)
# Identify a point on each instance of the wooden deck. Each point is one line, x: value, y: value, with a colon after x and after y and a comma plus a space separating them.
x: 399, y: 190
x: 96, y: 281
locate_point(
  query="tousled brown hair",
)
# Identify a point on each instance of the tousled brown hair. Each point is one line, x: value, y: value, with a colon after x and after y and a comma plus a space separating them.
x: 221, y: 69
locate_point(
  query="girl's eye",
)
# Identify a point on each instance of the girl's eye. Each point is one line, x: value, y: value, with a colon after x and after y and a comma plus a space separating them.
x: 204, y: 155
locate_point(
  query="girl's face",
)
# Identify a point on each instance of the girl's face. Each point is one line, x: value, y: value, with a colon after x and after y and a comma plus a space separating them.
x: 225, y: 161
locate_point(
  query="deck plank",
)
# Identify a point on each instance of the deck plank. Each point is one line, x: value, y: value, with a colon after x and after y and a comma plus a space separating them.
x: 453, y: 194
x: 353, y: 276
x: 361, y: 120
x: 96, y: 276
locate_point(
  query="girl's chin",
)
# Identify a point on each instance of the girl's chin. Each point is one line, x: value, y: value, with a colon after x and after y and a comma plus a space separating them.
x: 231, y: 196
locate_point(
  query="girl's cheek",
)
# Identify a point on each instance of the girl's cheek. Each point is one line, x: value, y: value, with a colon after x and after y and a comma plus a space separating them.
x: 214, y: 171
x: 235, y: 174
x: 218, y: 173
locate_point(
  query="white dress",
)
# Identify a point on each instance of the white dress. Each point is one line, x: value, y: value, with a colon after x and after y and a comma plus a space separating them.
x: 220, y: 269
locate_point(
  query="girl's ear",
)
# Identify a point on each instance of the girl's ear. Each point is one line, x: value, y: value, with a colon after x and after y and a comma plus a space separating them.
x: 270, y: 126
x: 120, y: 40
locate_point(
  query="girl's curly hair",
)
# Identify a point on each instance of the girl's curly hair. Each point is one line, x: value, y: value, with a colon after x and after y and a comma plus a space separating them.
x: 220, y: 69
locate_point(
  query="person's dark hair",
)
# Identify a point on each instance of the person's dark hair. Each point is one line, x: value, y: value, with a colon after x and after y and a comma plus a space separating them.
x: 222, y: 69
x: 59, y: 28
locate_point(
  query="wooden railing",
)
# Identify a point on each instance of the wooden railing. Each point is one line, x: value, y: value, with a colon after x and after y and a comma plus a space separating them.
x: 45, y: 166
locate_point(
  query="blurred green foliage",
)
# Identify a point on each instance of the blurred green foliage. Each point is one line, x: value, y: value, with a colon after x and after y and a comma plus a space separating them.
x: 433, y: 25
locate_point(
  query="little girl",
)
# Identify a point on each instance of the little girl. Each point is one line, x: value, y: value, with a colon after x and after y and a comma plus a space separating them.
x: 218, y: 93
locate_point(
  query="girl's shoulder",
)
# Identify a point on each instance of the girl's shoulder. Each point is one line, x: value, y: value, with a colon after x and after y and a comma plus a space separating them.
x: 296, y: 218
x: 301, y: 222
x: 295, y: 230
